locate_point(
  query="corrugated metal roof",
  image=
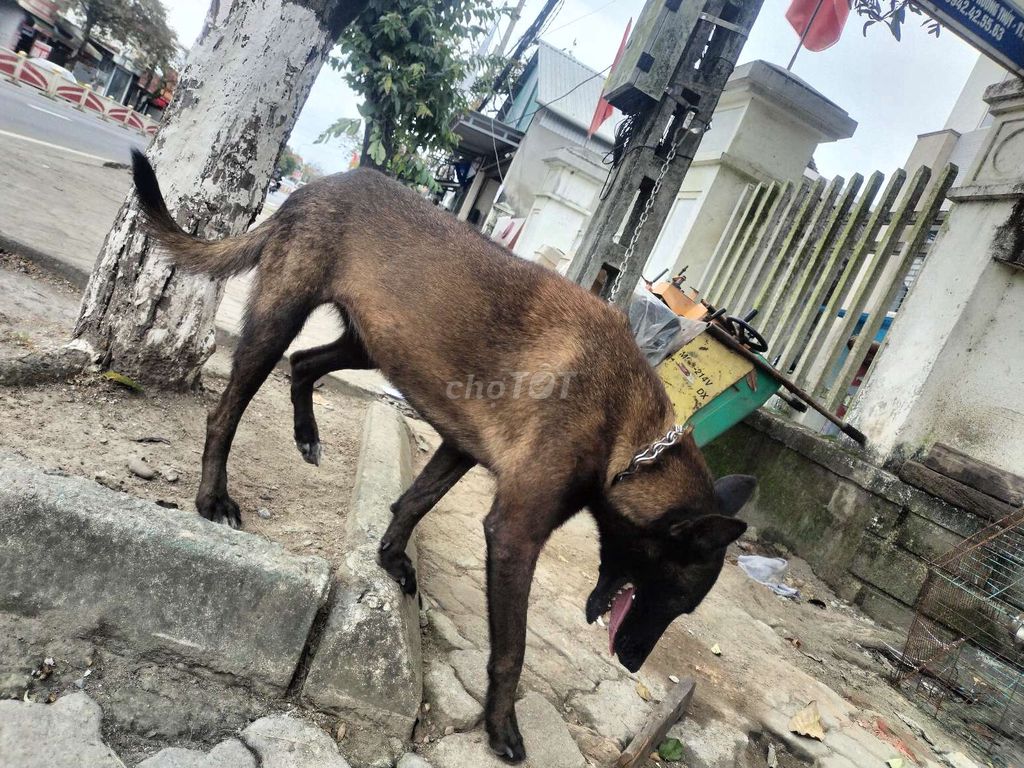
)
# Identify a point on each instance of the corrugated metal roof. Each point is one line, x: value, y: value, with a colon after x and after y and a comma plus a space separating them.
x: 571, y: 89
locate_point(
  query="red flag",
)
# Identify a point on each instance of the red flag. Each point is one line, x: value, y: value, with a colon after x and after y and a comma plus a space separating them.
x: 827, y: 26
x: 604, y: 109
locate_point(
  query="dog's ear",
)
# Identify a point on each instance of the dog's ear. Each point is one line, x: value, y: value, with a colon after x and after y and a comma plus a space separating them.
x: 709, y: 533
x: 732, y: 492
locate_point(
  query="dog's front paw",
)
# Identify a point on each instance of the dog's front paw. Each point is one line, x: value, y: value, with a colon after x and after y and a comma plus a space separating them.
x: 312, y: 453
x: 399, y: 567
x: 219, y: 508
x: 505, y: 740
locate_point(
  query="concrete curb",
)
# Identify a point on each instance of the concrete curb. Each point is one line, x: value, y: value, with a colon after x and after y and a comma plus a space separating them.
x: 95, y: 563
x: 368, y: 664
x: 79, y: 278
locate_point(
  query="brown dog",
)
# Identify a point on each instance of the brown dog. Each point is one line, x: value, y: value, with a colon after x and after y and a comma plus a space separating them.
x: 517, y: 369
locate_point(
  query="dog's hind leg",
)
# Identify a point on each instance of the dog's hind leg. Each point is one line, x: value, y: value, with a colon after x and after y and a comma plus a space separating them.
x: 445, y: 468
x: 308, y: 366
x: 270, y: 325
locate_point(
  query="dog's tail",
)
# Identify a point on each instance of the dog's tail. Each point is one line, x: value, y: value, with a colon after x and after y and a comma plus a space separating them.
x: 216, y: 258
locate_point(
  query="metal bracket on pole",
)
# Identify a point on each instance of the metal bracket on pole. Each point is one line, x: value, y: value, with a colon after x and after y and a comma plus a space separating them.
x: 724, y: 24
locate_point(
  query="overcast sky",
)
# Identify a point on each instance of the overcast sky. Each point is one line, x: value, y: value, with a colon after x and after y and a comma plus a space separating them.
x: 894, y: 90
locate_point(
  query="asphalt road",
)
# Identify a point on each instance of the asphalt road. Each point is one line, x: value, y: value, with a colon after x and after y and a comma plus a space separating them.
x: 26, y: 113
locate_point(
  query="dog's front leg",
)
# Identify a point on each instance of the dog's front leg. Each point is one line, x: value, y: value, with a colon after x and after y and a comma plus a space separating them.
x: 512, y: 551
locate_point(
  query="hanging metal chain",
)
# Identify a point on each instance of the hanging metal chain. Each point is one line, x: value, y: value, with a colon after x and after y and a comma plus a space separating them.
x: 653, y: 452
x: 677, y: 138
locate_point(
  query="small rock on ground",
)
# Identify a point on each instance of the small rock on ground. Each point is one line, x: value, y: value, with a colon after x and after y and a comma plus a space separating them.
x: 410, y: 760
x: 139, y: 468
x: 615, y: 709
x: 61, y: 735
x: 228, y: 754
x: 450, y: 704
x: 548, y: 743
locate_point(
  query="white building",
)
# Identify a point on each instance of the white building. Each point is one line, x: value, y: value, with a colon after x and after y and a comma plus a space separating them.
x: 536, y: 153
x: 767, y: 127
x: 952, y: 366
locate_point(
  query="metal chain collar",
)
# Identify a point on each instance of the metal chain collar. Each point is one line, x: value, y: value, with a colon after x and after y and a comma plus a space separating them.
x: 677, y: 138
x: 653, y: 452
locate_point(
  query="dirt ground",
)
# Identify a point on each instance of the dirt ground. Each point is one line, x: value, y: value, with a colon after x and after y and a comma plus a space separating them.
x: 95, y: 428
x: 758, y: 658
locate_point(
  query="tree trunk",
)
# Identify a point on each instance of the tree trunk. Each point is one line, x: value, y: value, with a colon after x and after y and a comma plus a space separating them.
x: 243, y: 86
x: 86, y: 39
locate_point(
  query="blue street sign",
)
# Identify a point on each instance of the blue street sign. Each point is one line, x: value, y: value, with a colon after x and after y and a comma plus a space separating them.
x: 995, y: 27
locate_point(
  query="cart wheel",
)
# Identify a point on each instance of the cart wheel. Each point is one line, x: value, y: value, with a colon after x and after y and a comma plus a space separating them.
x: 747, y: 335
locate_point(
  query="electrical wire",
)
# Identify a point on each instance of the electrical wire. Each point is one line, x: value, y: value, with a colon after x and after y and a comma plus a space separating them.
x: 559, y: 98
x: 585, y: 15
x: 551, y: 18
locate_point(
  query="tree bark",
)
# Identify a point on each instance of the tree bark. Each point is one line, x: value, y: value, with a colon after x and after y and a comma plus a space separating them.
x: 243, y: 86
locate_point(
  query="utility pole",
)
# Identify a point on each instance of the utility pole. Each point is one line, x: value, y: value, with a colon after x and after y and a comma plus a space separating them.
x: 528, y: 39
x: 513, y: 20
x: 679, y: 58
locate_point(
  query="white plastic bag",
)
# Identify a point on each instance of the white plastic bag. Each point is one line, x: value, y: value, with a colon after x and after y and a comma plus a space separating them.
x: 768, y: 571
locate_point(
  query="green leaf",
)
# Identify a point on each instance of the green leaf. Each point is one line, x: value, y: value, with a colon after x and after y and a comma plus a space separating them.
x: 377, y: 153
x: 671, y: 750
x: 124, y: 381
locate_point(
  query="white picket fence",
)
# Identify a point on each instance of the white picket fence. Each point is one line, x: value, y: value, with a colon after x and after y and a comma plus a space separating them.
x: 824, y: 264
x: 18, y: 69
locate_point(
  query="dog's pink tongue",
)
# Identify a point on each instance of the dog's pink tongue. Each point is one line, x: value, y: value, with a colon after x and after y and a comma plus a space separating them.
x: 620, y: 607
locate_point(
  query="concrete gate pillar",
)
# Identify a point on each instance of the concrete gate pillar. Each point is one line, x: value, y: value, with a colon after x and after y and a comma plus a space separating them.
x: 952, y: 366
x: 767, y: 126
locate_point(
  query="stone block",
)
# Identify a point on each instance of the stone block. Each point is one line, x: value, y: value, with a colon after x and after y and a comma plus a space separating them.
x: 410, y: 760
x: 889, y: 569
x: 547, y: 738
x: 925, y: 538
x: 228, y: 754
x: 449, y: 702
x: 87, y: 560
x: 446, y: 633
x: 884, y: 609
x: 471, y: 669
x: 615, y: 710
x: 367, y: 665
x: 61, y: 735
x: 281, y: 741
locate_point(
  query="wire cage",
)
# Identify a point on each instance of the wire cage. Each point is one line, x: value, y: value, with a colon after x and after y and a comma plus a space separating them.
x: 964, y: 655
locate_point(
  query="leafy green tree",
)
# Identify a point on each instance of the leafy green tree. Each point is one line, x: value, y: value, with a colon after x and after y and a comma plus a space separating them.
x: 289, y: 162
x: 408, y: 60
x: 141, y: 24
